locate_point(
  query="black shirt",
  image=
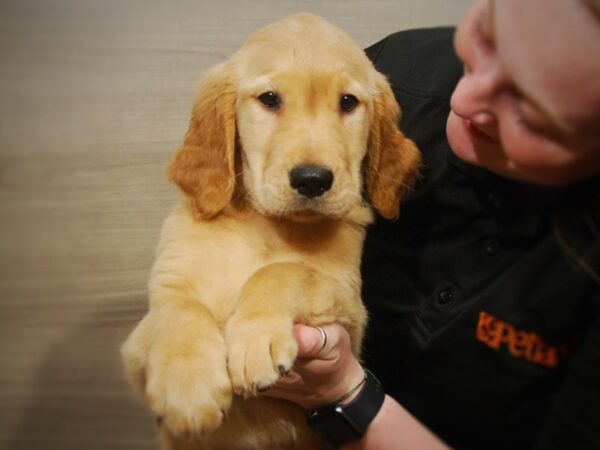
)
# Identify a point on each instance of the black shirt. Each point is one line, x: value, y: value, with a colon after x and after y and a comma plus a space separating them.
x: 484, y: 295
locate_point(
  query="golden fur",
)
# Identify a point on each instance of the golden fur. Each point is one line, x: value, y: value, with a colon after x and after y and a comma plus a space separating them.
x: 244, y: 256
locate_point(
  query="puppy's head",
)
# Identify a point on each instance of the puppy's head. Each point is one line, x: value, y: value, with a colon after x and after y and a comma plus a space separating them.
x: 300, y: 112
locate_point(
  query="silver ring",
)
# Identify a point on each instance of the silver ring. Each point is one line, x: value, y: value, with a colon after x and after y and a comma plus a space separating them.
x: 324, y: 336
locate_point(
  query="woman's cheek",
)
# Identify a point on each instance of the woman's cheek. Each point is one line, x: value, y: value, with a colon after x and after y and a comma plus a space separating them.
x: 542, y: 161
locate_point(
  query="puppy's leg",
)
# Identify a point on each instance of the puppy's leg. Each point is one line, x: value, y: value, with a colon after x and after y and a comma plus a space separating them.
x: 176, y: 358
x: 260, y: 336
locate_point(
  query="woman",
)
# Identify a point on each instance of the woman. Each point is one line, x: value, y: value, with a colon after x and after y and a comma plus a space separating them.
x: 485, y: 295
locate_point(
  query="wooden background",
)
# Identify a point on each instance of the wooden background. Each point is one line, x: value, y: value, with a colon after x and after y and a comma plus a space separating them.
x: 94, y: 100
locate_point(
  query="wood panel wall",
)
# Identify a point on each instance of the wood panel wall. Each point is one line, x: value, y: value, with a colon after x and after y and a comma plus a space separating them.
x: 94, y: 100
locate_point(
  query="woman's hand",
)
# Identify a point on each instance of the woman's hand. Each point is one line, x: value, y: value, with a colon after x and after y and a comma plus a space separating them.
x: 322, y: 374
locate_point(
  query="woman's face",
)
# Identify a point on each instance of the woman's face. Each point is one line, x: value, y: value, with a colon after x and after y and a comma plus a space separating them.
x: 528, y: 104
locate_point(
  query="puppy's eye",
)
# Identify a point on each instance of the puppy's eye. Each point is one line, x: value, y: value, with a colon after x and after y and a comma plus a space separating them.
x: 348, y: 102
x: 270, y: 99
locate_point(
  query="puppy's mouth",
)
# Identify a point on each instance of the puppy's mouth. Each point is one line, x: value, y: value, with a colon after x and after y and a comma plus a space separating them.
x: 289, y: 204
x: 306, y: 216
x: 304, y: 209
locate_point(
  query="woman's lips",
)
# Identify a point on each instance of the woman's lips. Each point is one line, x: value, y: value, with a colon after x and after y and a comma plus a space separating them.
x: 479, y: 134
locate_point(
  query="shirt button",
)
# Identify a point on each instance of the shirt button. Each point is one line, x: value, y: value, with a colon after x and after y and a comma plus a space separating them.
x: 492, y: 246
x: 493, y: 200
x: 446, y: 294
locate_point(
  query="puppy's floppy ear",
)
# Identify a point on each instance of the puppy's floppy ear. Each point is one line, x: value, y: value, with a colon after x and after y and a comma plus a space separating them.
x: 392, y: 161
x: 204, y: 167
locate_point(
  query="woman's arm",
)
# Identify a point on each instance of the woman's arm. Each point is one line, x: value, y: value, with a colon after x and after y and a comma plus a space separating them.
x: 322, y: 375
x: 395, y: 428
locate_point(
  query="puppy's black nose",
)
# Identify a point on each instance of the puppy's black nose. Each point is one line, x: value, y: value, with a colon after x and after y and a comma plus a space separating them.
x: 310, y: 180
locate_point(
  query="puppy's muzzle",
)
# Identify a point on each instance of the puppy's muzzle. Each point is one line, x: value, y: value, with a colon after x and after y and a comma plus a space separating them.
x: 310, y: 180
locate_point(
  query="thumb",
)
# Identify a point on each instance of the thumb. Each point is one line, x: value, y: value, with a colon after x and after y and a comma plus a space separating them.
x: 310, y: 340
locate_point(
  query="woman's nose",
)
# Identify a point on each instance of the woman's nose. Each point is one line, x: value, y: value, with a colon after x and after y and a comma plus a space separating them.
x: 475, y: 93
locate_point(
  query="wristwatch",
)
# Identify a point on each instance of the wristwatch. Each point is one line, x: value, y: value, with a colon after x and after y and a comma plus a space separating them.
x: 338, y: 424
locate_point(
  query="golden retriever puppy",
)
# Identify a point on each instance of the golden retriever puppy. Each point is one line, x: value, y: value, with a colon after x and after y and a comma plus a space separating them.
x: 287, y: 141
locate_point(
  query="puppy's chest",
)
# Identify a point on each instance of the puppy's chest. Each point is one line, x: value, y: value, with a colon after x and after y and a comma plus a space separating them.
x: 216, y: 258
x: 227, y: 260
x: 226, y: 257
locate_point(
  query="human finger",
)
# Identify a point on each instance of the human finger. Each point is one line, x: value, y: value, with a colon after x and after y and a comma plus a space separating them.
x: 318, y: 342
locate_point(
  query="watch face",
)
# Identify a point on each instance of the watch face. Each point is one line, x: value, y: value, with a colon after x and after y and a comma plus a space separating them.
x: 335, y: 427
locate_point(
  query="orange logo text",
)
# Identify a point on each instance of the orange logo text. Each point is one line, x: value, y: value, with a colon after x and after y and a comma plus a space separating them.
x: 496, y: 333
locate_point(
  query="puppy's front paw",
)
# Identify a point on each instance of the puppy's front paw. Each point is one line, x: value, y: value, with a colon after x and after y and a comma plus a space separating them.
x: 191, y: 394
x: 261, y: 350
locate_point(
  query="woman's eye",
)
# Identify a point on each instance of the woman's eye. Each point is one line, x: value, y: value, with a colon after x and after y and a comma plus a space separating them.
x: 523, y: 114
x: 523, y: 122
x: 480, y: 31
x: 348, y: 103
x: 270, y: 99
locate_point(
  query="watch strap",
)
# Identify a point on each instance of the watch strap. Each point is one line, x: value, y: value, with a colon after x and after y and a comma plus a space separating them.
x: 339, y: 424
